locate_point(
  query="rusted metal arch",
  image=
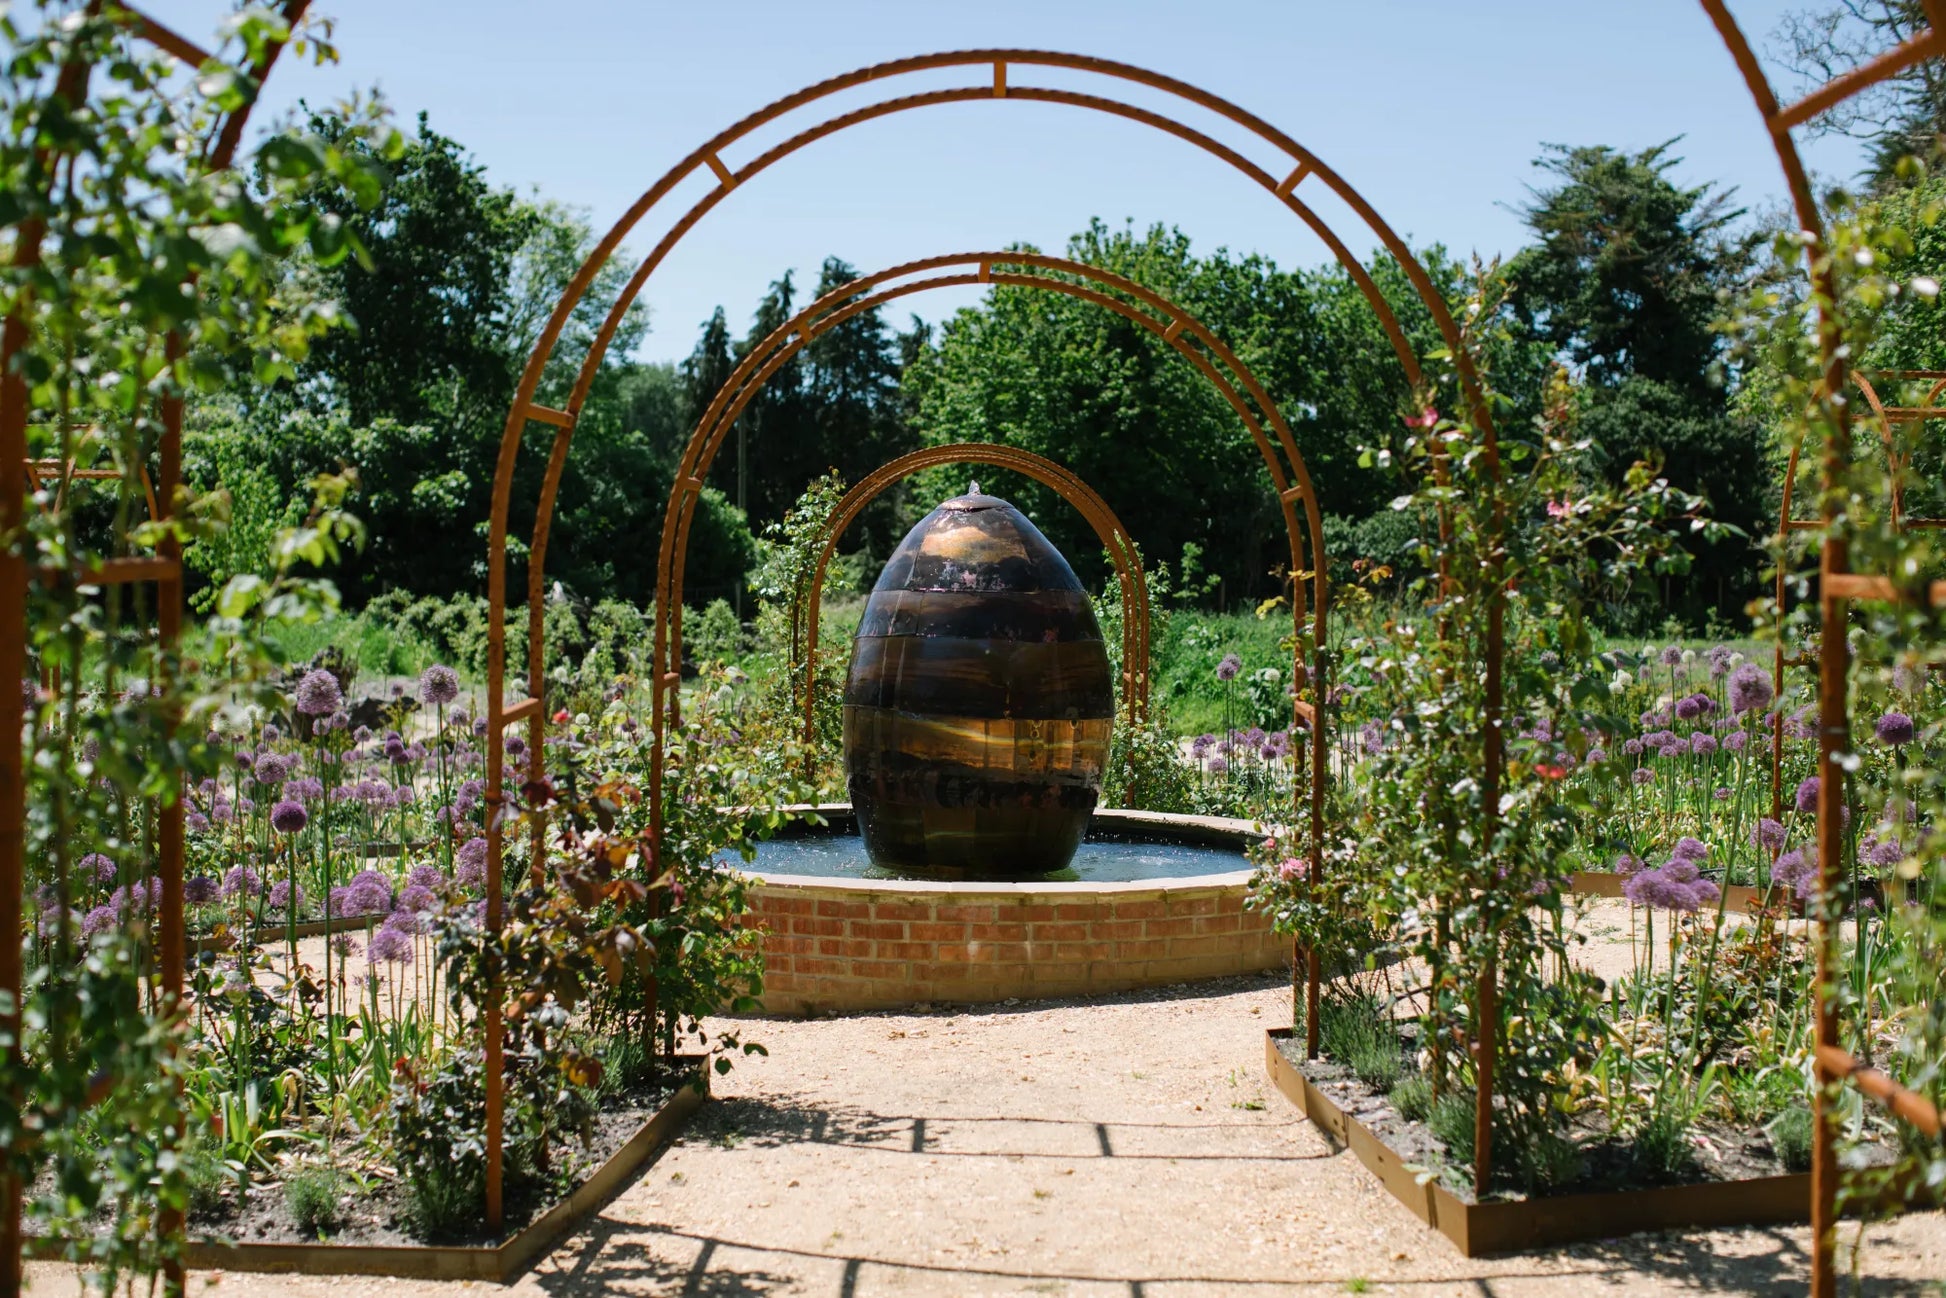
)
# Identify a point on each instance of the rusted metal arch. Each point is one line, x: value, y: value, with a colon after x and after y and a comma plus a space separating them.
x: 1836, y: 583
x: 1304, y: 164
x: 165, y: 569
x: 1114, y: 538
x: 1174, y: 326
x: 768, y: 356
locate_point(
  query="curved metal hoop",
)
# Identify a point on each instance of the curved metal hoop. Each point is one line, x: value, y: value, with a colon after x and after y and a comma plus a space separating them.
x: 1836, y: 583
x: 1302, y: 164
x: 1114, y: 539
x: 1168, y: 322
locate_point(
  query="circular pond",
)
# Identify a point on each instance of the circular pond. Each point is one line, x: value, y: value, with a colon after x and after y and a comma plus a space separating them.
x: 1150, y: 900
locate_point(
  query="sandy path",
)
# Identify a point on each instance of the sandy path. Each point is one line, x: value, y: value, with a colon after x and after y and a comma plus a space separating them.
x: 1126, y: 1146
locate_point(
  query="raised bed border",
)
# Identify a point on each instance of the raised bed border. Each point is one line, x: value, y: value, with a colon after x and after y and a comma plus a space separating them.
x: 501, y: 1263
x: 1483, y: 1229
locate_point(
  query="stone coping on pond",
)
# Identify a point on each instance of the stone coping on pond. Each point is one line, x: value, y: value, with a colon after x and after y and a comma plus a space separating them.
x: 835, y: 945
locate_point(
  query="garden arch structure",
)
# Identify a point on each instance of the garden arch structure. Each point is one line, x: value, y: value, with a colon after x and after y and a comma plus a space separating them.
x: 1114, y: 539
x: 1836, y: 582
x: 524, y: 409
x: 1163, y: 318
x: 164, y: 568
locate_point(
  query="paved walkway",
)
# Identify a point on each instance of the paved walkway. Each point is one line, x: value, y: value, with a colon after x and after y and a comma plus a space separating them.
x: 1128, y: 1146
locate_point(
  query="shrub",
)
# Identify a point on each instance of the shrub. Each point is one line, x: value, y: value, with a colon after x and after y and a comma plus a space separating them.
x: 1547, y: 1161
x: 1412, y: 1097
x: 1451, y: 1120
x: 1355, y: 1029
x: 1790, y: 1136
x: 1662, y: 1151
x: 313, y: 1194
x: 206, y: 1177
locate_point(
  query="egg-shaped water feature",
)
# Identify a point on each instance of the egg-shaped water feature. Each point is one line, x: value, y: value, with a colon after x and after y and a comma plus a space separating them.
x: 979, y: 704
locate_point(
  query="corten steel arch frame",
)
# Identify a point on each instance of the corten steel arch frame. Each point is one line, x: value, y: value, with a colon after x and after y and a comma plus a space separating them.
x: 1114, y: 539
x: 1836, y: 583
x: 524, y: 409
x: 164, y: 568
x: 1168, y: 322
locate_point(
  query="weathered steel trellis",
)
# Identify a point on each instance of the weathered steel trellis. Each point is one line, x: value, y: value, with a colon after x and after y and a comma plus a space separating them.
x: 1837, y: 584
x: 164, y: 568
x: 1294, y: 166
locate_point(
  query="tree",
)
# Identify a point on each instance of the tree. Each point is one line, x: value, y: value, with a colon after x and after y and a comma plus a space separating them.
x: 1626, y: 282
x: 1903, y: 115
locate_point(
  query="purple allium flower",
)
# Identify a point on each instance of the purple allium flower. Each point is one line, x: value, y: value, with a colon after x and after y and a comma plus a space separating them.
x: 417, y: 899
x: 1632, y: 747
x: 1597, y: 755
x: 1688, y: 709
x: 280, y: 895
x: 404, y: 920
x: 1908, y: 678
x: 1735, y: 741
x: 344, y: 945
x: 1807, y: 795
x: 99, y: 920
x: 196, y: 822
x: 96, y: 868
x: 1802, y: 724
x: 438, y: 684
x: 200, y: 890
x: 1658, y: 890
x: 1672, y: 655
x: 1690, y: 849
x: 1218, y: 765
x: 271, y: 769
x: 368, y: 893
x: 318, y: 694
x: 1372, y: 736
x: 288, y: 817
x: 1675, y: 749
x: 1769, y: 835
x: 1795, y: 868
x: 1626, y: 865
x: 1722, y: 793
x: 389, y: 945
x: 1641, y: 775
x: 1894, y: 729
x: 242, y: 881
x: 1887, y: 852
x: 1702, y: 744
x: 428, y: 875
x: 1227, y: 669
x: 1750, y: 689
x: 306, y: 788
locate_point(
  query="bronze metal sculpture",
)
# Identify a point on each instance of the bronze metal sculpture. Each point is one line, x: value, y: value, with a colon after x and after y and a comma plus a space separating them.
x: 979, y: 705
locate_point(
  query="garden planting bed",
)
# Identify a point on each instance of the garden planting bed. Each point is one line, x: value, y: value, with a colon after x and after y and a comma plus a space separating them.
x: 260, y: 1235
x: 1739, y: 1182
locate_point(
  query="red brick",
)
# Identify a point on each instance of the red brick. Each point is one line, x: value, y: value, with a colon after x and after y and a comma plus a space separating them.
x: 1217, y: 924
x: 807, y: 964
x: 936, y: 932
x: 966, y: 912
x: 996, y: 932
x: 878, y: 930
x: 1117, y: 928
x: 843, y: 909
x: 901, y: 910
x: 1089, y: 910
x: 1174, y: 926
x: 844, y: 946
x: 1033, y: 912
x: 1180, y: 946
x: 818, y: 927
x: 881, y: 970
x: 770, y: 905
x: 1077, y: 952
x: 1141, y: 909
x: 786, y: 945
x: 905, y: 950
x: 1058, y: 933
x: 1204, y: 905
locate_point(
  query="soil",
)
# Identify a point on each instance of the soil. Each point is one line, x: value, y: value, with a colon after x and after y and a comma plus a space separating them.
x: 378, y: 1216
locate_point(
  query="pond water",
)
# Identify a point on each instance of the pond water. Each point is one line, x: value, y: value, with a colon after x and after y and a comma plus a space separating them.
x: 1099, y: 860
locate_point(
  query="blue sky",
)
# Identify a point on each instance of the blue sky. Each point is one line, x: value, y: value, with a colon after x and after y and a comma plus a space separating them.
x: 1433, y: 109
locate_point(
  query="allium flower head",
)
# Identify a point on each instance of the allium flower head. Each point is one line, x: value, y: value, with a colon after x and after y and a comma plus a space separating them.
x: 1227, y: 669
x: 1894, y: 729
x: 438, y: 684
x: 1886, y: 852
x: 241, y: 881
x: 1750, y: 689
x: 1688, y: 709
x: 280, y: 895
x: 428, y: 875
x: 200, y: 890
x: 318, y: 694
x: 1690, y: 849
x: 1641, y: 775
x: 1807, y: 795
x: 1672, y: 655
x: 1702, y: 744
x: 389, y: 945
x: 288, y: 817
x: 97, y: 868
x: 1769, y: 835
x: 271, y: 769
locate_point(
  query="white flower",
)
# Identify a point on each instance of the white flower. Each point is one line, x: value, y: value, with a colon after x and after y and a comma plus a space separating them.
x: 1925, y: 286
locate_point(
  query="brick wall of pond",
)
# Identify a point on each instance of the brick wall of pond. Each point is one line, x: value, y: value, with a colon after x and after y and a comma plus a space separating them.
x: 844, y: 945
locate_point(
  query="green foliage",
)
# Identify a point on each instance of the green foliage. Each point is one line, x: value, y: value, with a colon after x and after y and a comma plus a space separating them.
x: 1412, y: 1097
x: 1660, y: 1146
x: 1791, y: 1134
x: 1451, y: 1123
x: 313, y: 1195
x: 1355, y: 1028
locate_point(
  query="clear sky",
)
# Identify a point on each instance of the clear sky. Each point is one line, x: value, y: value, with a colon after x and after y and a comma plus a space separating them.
x: 1433, y: 109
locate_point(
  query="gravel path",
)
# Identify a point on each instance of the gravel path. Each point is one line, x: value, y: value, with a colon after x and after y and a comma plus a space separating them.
x: 1127, y: 1146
